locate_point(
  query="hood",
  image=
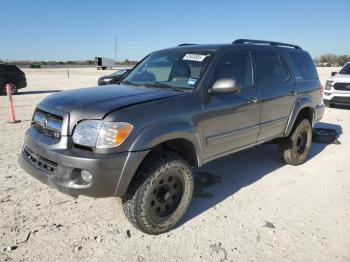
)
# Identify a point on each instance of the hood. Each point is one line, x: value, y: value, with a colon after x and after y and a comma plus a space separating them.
x: 341, y: 78
x: 96, y: 102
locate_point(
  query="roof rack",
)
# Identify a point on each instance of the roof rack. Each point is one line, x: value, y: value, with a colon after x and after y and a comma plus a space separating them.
x: 186, y: 44
x: 251, y: 41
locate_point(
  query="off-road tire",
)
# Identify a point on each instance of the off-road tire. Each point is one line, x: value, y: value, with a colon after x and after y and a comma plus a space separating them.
x: 292, y: 151
x: 137, y: 202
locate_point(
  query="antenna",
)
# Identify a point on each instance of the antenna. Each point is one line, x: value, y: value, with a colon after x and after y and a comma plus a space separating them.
x: 115, y: 50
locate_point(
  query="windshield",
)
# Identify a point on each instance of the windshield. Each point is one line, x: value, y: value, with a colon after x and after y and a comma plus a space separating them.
x: 345, y: 70
x: 176, y: 69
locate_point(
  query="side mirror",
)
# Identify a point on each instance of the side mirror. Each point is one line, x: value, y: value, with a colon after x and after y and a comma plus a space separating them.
x: 226, y: 85
x: 333, y: 73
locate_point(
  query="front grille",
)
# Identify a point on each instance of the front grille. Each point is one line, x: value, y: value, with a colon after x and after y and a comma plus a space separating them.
x: 40, y: 162
x: 342, y: 86
x: 47, y: 123
x: 339, y: 99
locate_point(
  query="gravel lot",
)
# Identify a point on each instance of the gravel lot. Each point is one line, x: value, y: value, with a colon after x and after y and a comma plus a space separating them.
x: 248, y: 206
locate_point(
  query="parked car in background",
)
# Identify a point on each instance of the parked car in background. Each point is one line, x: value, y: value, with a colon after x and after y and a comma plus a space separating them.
x: 13, y: 76
x: 337, y: 88
x: 104, y: 63
x: 113, y: 78
x: 179, y: 108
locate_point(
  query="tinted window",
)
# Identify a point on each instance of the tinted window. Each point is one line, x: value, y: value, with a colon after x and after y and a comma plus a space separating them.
x: 345, y: 70
x: 305, y: 65
x: 236, y: 65
x: 269, y: 68
x: 10, y: 69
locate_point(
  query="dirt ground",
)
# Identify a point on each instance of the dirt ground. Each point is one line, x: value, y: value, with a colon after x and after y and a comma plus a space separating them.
x: 248, y: 206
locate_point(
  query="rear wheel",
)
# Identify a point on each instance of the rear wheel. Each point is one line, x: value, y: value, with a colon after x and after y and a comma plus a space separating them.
x: 160, y: 193
x: 295, y: 148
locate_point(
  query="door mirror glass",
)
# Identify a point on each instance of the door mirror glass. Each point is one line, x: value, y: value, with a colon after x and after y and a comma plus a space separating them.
x: 227, y: 85
x: 333, y: 73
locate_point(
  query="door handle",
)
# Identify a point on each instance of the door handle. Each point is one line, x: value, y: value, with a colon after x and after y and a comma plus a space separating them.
x: 252, y: 100
x: 293, y: 93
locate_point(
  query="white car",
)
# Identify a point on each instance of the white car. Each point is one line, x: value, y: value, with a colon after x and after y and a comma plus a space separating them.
x: 337, y: 88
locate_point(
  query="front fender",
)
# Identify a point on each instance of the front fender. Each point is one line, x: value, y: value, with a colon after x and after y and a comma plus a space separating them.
x: 301, y: 103
x: 154, y: 135
x: 150, y: 137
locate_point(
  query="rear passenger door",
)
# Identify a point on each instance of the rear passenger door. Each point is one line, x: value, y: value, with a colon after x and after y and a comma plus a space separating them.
x: 277, y: 91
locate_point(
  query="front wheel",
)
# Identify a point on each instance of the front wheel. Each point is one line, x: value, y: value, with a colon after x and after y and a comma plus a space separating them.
x: 159, y: 194
x: 295, y: 149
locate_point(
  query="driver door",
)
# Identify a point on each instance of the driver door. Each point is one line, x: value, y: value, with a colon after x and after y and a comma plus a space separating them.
x: 232, y: 120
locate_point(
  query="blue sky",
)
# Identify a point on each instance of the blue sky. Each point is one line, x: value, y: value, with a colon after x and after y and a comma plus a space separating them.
x: 82, y: 29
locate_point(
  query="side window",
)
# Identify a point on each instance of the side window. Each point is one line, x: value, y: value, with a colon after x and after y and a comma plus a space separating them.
x: 269, y: 68
x: 236, y: 65
x: 304, y: 63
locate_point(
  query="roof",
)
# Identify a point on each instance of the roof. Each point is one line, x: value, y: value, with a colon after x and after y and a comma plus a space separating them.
x: 237, y: 43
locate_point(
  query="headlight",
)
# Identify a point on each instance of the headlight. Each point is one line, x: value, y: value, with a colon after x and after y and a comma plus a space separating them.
x: 106, y: 79
x: 99, y: 134
x: 329, y: 84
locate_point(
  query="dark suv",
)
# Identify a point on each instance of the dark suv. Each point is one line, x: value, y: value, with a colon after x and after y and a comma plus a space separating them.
x: 13, y: 76
x: 178, y: 108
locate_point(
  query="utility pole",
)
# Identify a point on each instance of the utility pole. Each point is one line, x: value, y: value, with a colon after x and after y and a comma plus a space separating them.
x: 291, y: 37
x: 115, y: 50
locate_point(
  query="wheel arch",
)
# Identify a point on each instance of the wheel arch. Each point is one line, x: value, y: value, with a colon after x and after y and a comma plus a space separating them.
x: 183, y: 140
x: 303, y: 108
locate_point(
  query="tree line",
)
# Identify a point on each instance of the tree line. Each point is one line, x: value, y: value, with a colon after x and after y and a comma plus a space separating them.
x: 60, y: 63
x: 322, y: 60
x: 331, y: 59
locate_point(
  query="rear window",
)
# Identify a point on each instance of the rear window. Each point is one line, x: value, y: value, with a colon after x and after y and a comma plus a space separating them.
x: 270, y: 70
x: 305, y: 65
x: 11, y: 69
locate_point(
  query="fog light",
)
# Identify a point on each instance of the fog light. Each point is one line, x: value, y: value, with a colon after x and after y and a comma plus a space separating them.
x: 86, y: 176
x: 327, y: 94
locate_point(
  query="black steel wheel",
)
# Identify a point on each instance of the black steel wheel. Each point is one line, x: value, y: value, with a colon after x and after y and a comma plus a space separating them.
x: 166, y: 195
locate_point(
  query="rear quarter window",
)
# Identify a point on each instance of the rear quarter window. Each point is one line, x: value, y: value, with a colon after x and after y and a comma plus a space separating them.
x: 305, y: 65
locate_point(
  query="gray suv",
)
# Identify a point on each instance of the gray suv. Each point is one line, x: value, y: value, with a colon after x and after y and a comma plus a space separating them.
x: 177, y: 109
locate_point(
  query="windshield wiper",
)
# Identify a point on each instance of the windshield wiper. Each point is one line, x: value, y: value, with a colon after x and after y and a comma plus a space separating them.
x: 164, y: 85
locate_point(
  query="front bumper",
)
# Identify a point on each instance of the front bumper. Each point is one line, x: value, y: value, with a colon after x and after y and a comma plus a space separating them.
x: 319, y: 111
x: 338, y: 98
x: 61, y: 168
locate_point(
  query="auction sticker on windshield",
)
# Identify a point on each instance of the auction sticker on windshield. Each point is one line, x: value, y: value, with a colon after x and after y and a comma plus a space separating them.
x: 194, y: 57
